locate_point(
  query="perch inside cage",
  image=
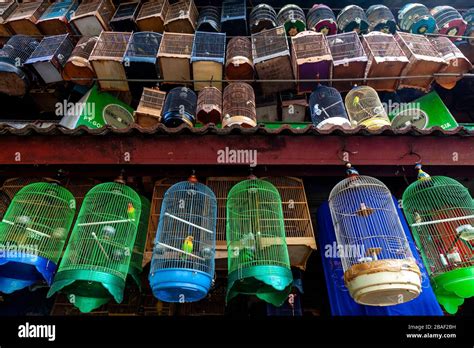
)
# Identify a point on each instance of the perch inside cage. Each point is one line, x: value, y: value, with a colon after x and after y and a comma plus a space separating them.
x: 327, y: 108
x: 96, y: 262
x: 321, y: 19
x: 93, y: 16
x: 258, y: 260
x: 239, y: 62
x: 152, y: 16
x: 416, y: 18
x: 55, y: 20
x: 381, y: 19
x: 25, y: 17
x: 182, y: 266
x: 234, y: 17
x: 209, y: 19
x: 181, y: 17
x: 440, y: 212
x: 292, y: 18
x: 379, y: 267
x: 180, y: 107
x: 365, y: 108
x: 78, y: 68
x: 449, y: 21
x: 353, y: 18
x: 239, y: 105
x: 209, y: 105
x: 33, y: 232
x: 262, y: 17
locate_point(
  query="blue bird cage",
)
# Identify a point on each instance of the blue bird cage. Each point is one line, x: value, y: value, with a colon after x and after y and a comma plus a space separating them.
x: 234, y: 17
x: 327, y: 108
x: 209, y: 20
x: 182, y: 265
x: 180, y: 107
x: 56, y: 19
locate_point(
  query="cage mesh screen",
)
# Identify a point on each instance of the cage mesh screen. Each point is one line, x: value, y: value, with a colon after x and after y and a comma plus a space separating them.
x: 416, y: 45
x: 233, y: 9
x: 110, y: 45
x: 126, y: 10
x: 382, y: 46
x: 152, y: 98
x: 59, y: 46
x: 104, y: 8
x: 310, y: 45
x: 19, y: 47
x: 84, y: 47
x: 174, y: 44
x: 58, y: 9
x: 239, y: 46
x: 153, y: 8
x: 239, y: 100
x: 6, y: 9
x: 143, y: 45
x: 346, y: 46
x: 269, y: 44
x: 181, y: 9
x: 27, y: 9
x: 208, y: 47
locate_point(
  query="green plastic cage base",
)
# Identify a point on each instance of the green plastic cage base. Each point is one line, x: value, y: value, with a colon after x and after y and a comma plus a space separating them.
x: 451, y: 288
x: 271, y: 284
x: 88, y: 290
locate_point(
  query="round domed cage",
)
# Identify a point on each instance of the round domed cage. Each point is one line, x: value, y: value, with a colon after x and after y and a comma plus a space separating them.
x: 96, y: 262
x: 33, y: 232
x: 379, y: 268
x: 258, y: 260
x: 440, y: 212
x: 182, y: 265
x: 365, y: 108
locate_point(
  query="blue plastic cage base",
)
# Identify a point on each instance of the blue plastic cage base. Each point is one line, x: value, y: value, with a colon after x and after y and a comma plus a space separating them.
x: 180, y: 285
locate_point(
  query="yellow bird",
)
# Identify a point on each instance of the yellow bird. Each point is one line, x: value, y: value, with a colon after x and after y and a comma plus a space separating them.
x: 188, y: 246
x: 356, y: 101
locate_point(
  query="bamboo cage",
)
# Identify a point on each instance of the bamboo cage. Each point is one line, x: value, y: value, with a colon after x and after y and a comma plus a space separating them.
x: 107, y: 60
x: 93, y: 16
x: 152, y: 16
x: 6, y: 9
x: 262, y: 17
x: 381, y: 19
x: 416, y: 18
x: 385, y: 59
x: 209, y: 106
x: 353, y: 18
x: 292, y: 17
x: 125, y: 16
x: 321, y: 19
x: 78, y: 68
x: 209, y: 19
x: 25, y: 17
x: 56, y: 19
x: 148, y: 113
x: 449, y: 21
x: 239, y: 107
x: 423, y: 58
x: 174, y: 57
x: 364, y: 108
x: 181, y: 17
x: 239, y: 61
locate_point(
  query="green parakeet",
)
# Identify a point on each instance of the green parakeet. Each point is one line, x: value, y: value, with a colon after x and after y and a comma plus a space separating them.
x: 187, y: 246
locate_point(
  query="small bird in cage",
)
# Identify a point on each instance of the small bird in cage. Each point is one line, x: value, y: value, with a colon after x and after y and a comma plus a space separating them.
x: 364, y: 211
x: 108, y: 232
x: 131, y: 212
x: 187, y: 246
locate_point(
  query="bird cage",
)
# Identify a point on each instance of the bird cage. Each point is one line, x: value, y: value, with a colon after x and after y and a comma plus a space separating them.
x: 353, y: 18
x: 239, y: 62
x: 293, y: 108
x: 124, y: 17
x: 379, y: 267
x: 152, y: 16
x: 349, y: 60
x: 469, y: 18
x: 174, y: 58
x: 78, y: 69
x: 149, y: 109
x: 96, y: 262
x: 23, y: 20
x: 267, y: 108
x: 15, y: 80
x: 180, y: 107
x: 55, y: 20
x: 10, y: 188
x: 234, y: 17
x: 33, y: 232
x: 364, y: 108
x: 311, y: 58
x: 6, y: 9
x: 327, y: 108
x: 139, y: 246
x: 440, y: 212
x: 209, y: 105
x: 209, y: 20
x: 207, y: 59
x: 271, y: 56
x: 258, y: 260
x: 50, y: 56
x: 182, y: 266
x: 424, y: 60
x: 140, y: 60
x: 321, y: 19
x: 386, y: 60
x: 381, y: 19
x: 93, y: 16
x: 457, y: 63
x: 292, y: 18
x: 262, y: 17
x: 238, y: 103
x: 449, y: 21
x: 181, y: 17
x: 415, y: 18
x: 107, y: 59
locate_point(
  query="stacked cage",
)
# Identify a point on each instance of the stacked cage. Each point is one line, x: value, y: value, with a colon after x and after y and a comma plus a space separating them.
x: 209, y: 20
x: 152, y: 16
x: 181, y: 17
x: 149, y: 109
x: 327, y: 108
x: 469, y: 18
x: 364, y: 108
x: 352, y: 18
x: 124, y: 17
x: 55, y: 20
x: 239, y: 61
x: 449, y: 22
x: 209, y: 105
x: 93, y: 16
x: 239, y: 105
x: 321, y: 19
x: 416, y: 18
x: 262, y: 17
x: 180, y: 107
x: 381, y: 19
x: 78, y: 68
x: 23, y: 20
x: 174, y: 58
x: 6, y: 9
x: 234, y: 17
x: 292, y: 18
x: 96, y: 262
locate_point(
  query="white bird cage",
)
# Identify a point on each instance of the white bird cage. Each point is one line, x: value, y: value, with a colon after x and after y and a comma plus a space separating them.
x: 365, y: 108
x: 386, y: 60
x: 379, y: 267
x: 174, y: 58
x: 149, y: 109
x: 181, y: 17
x: 93, y: 16
x: 23, y: 20
x: 152, y: 16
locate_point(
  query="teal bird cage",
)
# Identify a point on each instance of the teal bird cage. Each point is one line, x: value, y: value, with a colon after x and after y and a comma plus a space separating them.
x: 96, y: 262
x: 258, y: 260
x: 440, y: 212
x: 182, y: 265
x: 33, y: 232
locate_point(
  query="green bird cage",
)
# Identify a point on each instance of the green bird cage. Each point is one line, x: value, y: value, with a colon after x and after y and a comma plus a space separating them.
x: 258, y: 260
x: 440, y: 212
x: 33, y: 232
x: 136, y: 263
x: 97, y: 259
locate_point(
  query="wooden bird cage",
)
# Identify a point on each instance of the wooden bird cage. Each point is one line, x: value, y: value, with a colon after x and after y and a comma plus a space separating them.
x: 78, y: 68
x: 352, y: 18
x: 209, y: 106
x: 182, y: 17
x: 239, y: 61
x: 174, y: 58
x: 207, y: 59
x: 457, y: 62
x: 349, y: 60
x: 424, y: 60
x: 416, y: 18
x: 449, y: 21
x: 381, y: 19
x: 272, y: 59
x: 23, y: 20
x: 385, y: 59
x: 234, y: 17
x: 124, y: 17
x: 293, y: 108
x: 364, y: 108
x: 321, y: 19
x: 267, y: 108
x: 55, y: 20
x: 152, y: 16
x: 209, y: 19
x: 6, y: 9
x: 239, y: 105
x: 93, y: 16
x: 312, y: 59
x: 107, y: 60
x: 262, y: 17
x: 292, y: 17
x: 148, y: 113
